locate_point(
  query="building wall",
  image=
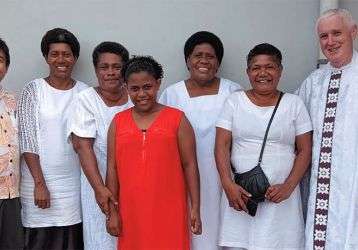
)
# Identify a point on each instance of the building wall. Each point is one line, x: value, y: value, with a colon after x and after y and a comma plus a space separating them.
x: 160, y: 28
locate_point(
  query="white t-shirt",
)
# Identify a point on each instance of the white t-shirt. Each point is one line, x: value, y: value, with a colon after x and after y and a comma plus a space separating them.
x: 90, y: 118
x: 43, y: 113
x: 202, y: 112
x: 275, y: 226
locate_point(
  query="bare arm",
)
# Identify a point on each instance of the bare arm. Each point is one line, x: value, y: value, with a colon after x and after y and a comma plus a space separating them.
x: 186, y: 141
x: 41, y: 193
x: 84, y: 149
x: 280, y: 192
x: 235, y: 194
x: 114, y: 225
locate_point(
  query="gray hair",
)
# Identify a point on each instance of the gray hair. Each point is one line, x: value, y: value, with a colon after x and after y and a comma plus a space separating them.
x: 343, y: 13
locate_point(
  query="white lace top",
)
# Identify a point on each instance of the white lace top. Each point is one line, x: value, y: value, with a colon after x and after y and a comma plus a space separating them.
x: 43, y: 112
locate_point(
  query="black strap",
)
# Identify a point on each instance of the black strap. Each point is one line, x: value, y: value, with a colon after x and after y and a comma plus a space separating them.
x: 268, y: 128
x: 266, y: 133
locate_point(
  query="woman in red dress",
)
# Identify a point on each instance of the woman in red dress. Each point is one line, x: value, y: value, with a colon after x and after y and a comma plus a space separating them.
x: 151, y: 166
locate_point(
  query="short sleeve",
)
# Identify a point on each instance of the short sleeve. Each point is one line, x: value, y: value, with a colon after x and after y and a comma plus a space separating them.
x: 164, y: 98
x: 225, y: 119
x: 81, y: 121
x: 303, y: 121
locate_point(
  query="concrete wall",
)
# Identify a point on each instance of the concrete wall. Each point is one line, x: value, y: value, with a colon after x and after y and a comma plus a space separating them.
x: 352, y: 6
x: 160, y: 28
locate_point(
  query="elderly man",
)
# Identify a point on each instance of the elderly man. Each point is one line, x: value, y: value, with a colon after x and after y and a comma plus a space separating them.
x: 331, y: 95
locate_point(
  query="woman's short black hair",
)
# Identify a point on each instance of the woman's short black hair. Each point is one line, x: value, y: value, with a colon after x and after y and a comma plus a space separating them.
x: 265, y: 49
x: 5, y: 49
x: 59, y: 35
x: 142, y: 63
x: 110, y: 47
x: 204, y: 37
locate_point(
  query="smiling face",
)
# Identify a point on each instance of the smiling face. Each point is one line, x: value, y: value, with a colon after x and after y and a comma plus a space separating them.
x: 3, y: 68
x: 108, y: 71
x: 264, y: 74
x: 142, y: 89
x: 336, y: 40
x: 203, y: 63
x: 60, y: 60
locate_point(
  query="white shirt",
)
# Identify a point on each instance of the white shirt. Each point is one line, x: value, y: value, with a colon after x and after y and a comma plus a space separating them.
x: 90, y: 118
x: 43, y: 113
x: 342, y: 227
x: 275, y: 226
x: 202, y: 112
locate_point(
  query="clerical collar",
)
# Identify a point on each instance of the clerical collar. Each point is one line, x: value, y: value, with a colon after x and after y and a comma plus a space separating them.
x: 353, y: 61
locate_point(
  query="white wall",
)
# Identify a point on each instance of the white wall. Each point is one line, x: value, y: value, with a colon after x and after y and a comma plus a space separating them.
x: 160, y: 28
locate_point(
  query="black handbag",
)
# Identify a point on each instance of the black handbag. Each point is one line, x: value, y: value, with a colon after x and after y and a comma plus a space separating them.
x: 255, y: 181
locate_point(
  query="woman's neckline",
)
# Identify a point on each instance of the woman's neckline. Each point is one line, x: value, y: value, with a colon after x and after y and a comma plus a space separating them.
x: 246, y: 95
x: 151, y: 124
x: 104, y: 103
x: 48, y: 83
x: 205, y: 95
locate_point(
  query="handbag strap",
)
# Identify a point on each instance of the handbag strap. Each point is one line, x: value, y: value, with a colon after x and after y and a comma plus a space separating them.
x: 268, y: 128
x: 266, y: 133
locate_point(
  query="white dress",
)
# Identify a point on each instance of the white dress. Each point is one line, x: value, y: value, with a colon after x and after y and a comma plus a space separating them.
x: 91, y: 118
x: 43, y: 112
x: 275, y: 226
x: 202, y: 112
x: 342, y: 226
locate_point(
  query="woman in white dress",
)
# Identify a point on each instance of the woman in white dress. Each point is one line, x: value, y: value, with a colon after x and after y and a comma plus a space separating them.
x: 201, y: 98
x: 278, y: 223
x: 93, y: 111
x: 50, y: 181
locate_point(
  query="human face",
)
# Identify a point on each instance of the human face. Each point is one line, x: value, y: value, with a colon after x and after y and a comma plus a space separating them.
x: 336, y: 40
x: 142, y: 89
x: 264, y: 74
x: 60, y: 59
x: 108, y: 71
x: 3, y: 68
x: 203, y: 63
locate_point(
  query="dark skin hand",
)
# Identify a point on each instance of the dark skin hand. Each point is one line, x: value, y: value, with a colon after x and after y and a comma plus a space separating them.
x: 114, y: 222
x: 236, y: 195
x: 186, y: 141
x: 280, y: 192
x: 41, y: 193
x: 84, y: 149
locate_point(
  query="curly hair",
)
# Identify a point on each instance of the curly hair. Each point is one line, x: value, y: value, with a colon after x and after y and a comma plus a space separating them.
x: 142, y: 63
x: 59, y: 35
x: 204, y: 37
x: 110, y: 47
x: 5, y: 49
x: 265, y: 49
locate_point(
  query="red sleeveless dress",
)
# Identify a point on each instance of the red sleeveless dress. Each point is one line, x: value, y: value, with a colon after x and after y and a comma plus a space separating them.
x: 152, y: 192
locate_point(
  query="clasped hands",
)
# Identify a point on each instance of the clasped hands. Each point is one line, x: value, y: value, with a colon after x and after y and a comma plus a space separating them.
x: 105, y: 201
x: 238, y: 196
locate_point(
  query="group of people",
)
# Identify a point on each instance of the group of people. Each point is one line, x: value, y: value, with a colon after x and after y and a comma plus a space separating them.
x: 117, y: 166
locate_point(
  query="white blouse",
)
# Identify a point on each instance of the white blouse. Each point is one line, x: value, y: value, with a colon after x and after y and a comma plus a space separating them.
x: 90, y: 118
x: 275, y: 226
x: 202, y: 112
x: 43, y: 112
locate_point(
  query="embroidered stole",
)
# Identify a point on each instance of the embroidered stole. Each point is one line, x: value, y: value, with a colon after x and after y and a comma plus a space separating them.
x: 324, y: 165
